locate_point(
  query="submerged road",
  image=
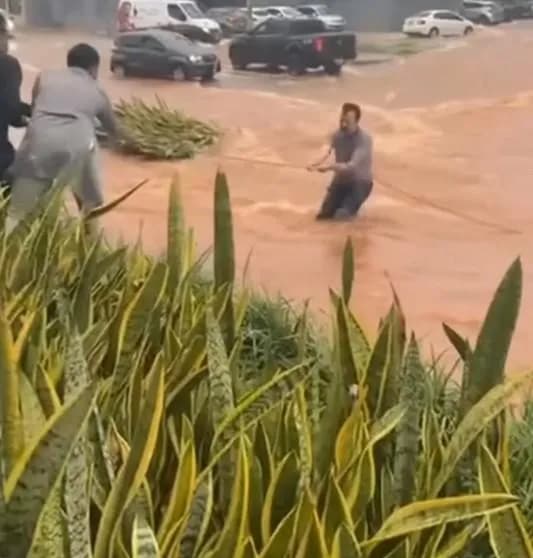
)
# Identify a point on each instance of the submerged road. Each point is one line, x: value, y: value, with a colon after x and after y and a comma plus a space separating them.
x: 451, y: 208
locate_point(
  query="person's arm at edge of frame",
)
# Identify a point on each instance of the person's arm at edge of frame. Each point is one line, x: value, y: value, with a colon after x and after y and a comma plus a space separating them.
x: 18, y: 110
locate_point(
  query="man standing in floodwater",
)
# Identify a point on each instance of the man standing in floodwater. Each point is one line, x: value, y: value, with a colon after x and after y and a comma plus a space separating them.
x: 61, y: 140
x: 13, y: 111
x: 352, y: 180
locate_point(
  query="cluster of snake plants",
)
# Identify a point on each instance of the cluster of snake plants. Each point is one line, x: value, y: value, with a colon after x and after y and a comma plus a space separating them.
x: 159, y: 132
x: 135, y: 421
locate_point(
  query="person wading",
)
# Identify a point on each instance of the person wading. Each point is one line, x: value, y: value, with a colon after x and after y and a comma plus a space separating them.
x: 352, y: 179
x: 13, y: 112
x: 60, y: 141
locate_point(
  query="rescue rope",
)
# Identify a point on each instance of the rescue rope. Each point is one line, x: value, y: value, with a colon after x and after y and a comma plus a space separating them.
x: 392, y: 188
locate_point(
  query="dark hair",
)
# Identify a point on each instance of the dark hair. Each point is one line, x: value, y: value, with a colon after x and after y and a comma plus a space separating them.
x: 3, y: 25
x: 352, y: 107
x: 83, y: 56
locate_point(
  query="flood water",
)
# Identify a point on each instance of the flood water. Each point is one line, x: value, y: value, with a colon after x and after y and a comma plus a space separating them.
x: 452, y: 203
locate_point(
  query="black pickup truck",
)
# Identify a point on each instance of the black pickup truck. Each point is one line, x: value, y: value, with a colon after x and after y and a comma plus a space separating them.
x: 296, y: 44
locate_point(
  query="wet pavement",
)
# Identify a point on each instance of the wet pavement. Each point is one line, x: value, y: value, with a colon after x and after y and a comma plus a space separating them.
x: 452, y: 203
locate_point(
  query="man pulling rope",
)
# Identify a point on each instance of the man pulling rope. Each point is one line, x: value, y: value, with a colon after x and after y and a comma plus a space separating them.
x: 352, y: 180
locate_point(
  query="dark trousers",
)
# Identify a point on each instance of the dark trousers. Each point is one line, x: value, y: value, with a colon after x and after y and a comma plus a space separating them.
x: 344, y: 199
x: 7, y: 155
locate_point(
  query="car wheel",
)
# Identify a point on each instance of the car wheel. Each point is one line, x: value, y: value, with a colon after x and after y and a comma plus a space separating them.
x: 210, y: 76
x: 332, y: 68
x: 179, y: 74
x: 433, y: 33
x: 484, y: 20
x: 119, y: 71
x: 295, y: 64
x: 469, y: 31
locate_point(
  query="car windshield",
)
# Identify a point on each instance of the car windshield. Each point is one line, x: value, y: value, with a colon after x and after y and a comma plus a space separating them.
x: 290, y: 12
x: 321, y: 10
x: 174, y: 41
x: 192, y: 10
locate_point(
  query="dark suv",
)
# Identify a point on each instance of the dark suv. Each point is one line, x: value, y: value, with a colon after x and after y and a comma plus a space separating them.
x: 160, y: 53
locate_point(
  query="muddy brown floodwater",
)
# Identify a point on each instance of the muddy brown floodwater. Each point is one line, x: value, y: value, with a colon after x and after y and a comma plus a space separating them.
x: 453, y: 199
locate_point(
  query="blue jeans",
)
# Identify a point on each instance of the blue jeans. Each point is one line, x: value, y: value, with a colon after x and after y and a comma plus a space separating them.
x: 344, y: 199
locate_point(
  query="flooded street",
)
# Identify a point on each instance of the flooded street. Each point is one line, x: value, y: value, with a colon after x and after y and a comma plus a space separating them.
x: 452, y: 204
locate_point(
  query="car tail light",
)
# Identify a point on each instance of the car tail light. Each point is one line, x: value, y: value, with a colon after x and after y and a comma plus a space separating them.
x: 318, y: 44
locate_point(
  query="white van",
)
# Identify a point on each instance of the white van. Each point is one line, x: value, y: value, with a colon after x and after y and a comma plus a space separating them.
x: 159, y: 13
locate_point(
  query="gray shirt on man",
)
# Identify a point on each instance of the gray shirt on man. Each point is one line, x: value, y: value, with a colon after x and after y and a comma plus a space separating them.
x: 354, y: 149
x: 62, y: 127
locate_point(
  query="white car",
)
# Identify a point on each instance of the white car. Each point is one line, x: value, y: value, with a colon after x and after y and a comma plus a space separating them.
x: 331, y: 22
x: 286, y: 12
x: 437, y: 23
x: 10, y: 23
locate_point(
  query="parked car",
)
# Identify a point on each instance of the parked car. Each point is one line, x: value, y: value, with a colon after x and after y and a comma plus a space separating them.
x: 10, y: 22
x: 286, y: 12
x: 296, y: 44
x: 259, y: 15
x: 320, y: 11
x: 150, y: 14
x: 437, y: 23
x: 231, y: 20
x: 160, y: 53
x: 517, y: 9
x: 483, y: 12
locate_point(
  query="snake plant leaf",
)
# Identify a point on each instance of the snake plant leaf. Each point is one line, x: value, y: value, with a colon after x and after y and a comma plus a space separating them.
x: 278, y: 543
x: 199, y: 516
x: 221, y: 400
x: 490, y: 354
x: 258, y: 402
x: 11, y: 421
x: 346, y: 346
x: 220, y: 382
x: 143, y: 540
x: 280, y: 496
x: 508, y: 535
x: 305, y: 508
x: 83, y: 306
x: 224, y: 255
x: 408, y: 431
x: 132, y: 326
x: 313, y: 543
x: 37, y: 473
x: 337, y: 406
x: 49, y: 539
x: 344, y: 544
x: 349, y: 440
x: 236, y: 529
x: 133, y: 471
x: 347, y: 271
x: 101, y: 210
x: 375, y: 375
x: 176, y: 237
x: 458, y: 542
x: 76, y: 485
x: 479, y: 416
x: 305, y: 444
x: 181, y: 495
x: 421, y: 515
x: 336, y: 512
x: 459, y: 343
